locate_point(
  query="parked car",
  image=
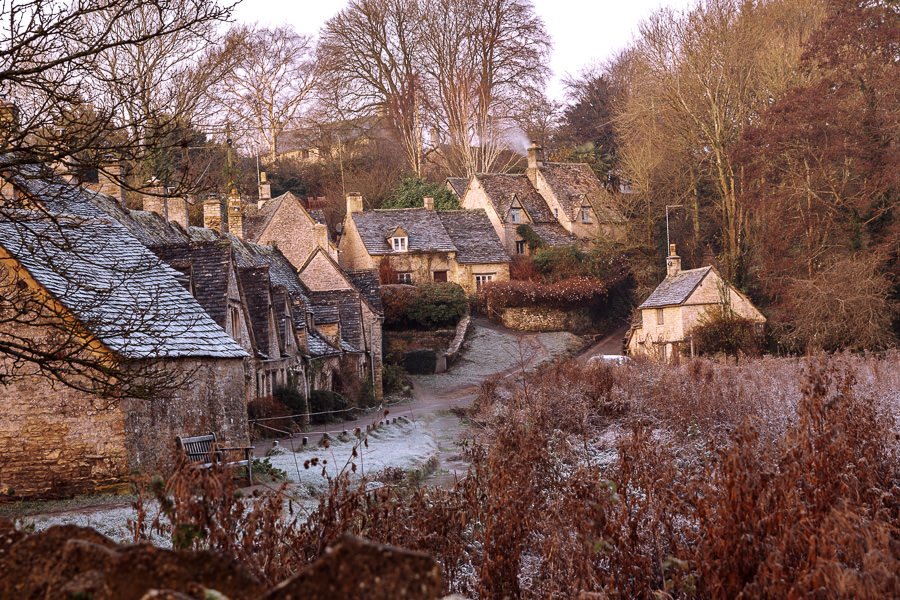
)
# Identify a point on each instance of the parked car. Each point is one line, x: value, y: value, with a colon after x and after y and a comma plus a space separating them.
x: 609, y: 359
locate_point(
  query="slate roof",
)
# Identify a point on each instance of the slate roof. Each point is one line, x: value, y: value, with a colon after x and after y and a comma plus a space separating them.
x: 319, y: 347
x: 673, y: 291
x: 474, y: 237
x: 424, y: 227
x: 459, y: 185
x: 343, y: 306
x: 318, y: 215
x: 501, y: 188
x: 573, y: 184
x: 255, y: 283
x: 255, y: 224
x: 553, y: 234
x: 368, y: 283
x: 123, y: 294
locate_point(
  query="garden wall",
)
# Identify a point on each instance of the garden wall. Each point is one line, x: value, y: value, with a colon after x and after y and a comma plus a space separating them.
x: 539, y: 318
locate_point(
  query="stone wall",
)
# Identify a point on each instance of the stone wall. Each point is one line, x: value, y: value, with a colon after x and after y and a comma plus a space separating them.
x: 535, y: 319
x: 213, y: 400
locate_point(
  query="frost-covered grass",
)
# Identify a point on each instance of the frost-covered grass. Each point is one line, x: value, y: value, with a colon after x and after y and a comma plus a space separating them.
x: 405, y: 445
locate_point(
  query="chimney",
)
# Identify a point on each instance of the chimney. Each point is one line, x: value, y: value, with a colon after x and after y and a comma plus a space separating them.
x: 212, y: 214
x: 110, y: 180
x: 354, y: 202
x: 673, y: 262
x: 535, y: 156
x: 9, y: 122
x: 320, y: 234
x: 177, y: 209
x: 265, y: 190
x: 428, y: 202
x: 235, y: 215
x: 154, y: 198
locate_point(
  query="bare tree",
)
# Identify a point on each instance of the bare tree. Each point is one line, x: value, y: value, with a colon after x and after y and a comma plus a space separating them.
x: 370, y: 54
x: 271, y: 83
x: 485, y: 60
x: 59, y: 110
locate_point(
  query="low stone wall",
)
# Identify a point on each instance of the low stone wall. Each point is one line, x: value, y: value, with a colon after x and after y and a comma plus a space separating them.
x: 535, y: 319
x: 462, y: 329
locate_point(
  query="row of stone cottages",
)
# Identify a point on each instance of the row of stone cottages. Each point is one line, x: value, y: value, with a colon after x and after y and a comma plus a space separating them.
x: 233, y: 317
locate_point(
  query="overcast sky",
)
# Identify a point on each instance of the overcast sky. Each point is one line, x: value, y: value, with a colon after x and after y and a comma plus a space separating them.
x: 583, y: 31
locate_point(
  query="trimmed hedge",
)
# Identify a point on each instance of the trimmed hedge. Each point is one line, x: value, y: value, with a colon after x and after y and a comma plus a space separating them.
x: 428, y: 306
x: 565, y: 294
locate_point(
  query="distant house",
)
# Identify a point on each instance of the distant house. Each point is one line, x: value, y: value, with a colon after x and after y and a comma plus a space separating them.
x: 678, y: 304
x: 561, y: 202
x: 423, y: 245
x: 457, y: 186
x: 105, y: 290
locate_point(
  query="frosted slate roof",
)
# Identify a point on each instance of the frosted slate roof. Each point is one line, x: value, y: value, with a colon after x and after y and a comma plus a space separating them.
x: 122, y: 293
x: 502, y: 188
x: 576, y: 185
x: 319, y: 346
x: 553, y: 234
x: 424, y: 227
x: 474, y: 237
x: 368, y: 283
x: 459, y: 185
x: 673, y: 291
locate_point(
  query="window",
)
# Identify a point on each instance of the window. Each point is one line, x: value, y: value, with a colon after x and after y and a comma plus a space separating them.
x: 440, y: 276
x: 482, y: 279
x: 404, y: 277
x: 235, y: 323
x: 399, y: 244
x: 585, y: 214
x: 556, y: 213
x: 515, y: 215
x: 660, y: 317
x: 520, y: 246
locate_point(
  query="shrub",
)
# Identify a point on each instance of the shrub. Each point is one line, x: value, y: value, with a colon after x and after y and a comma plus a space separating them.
x: 291, y: 397
x: 396, y: 300
x: 438, y: 305
x: 522, y: 268
x: 393, y: 379
x: 721, y: 331
x: 267, y: 407
x: 530, y: 236
x: 323, y: 404
x: 564, y: 294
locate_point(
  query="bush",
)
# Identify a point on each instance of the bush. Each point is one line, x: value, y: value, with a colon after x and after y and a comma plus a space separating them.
x: 267, y: 408
x: 438, y: 305
x: 522, y: 268
x: 396, y: 300
x: 564, y: 294
x: 425, y: 307
x: 292, y: 398
x: 721, y: 331
x: 393, y: 379
x: 323, y: 404
x: 530, y: 236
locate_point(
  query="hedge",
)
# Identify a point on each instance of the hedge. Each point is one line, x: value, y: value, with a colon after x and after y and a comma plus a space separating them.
x: 567, y: 293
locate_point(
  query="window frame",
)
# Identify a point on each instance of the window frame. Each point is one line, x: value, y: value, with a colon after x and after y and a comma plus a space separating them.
x: 400, y: 244
x: 404, y: 277
x: 586, y: 214
x: 520, y: 246
x: 660, y: 316
x: 515, y: 215
x: 482, y: 278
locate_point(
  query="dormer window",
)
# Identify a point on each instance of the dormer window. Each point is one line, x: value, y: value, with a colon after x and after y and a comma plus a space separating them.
x: 515, y: 215
x: 585, y: 214
x: 399, y: 244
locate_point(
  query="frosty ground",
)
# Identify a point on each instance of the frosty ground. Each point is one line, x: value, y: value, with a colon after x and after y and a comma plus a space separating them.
x: 423, y: 441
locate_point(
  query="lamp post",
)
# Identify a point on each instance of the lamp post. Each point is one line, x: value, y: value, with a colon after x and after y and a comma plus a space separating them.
x: 668, y: 206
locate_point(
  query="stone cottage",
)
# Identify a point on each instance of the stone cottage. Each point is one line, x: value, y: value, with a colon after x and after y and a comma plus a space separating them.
x: 102, y: 289
x: 423, y: 245
x: 560, y: 202
x: 677, y: 305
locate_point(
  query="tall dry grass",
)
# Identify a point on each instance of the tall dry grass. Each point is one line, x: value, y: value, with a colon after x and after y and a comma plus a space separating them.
x: 772, y: 478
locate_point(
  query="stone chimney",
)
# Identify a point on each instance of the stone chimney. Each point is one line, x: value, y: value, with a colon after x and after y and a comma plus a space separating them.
x: 265, y: 190
x: 157, y: 200
x: 535, y: 156
x: 428, y: 202
x: 235, y: 215
x: 110, y: 181
x: 212, y: 214
x: 177, y: 208
x: 673, y: 262
x: 9, y: 122
x: 320, y: 234
x: 354, y: 202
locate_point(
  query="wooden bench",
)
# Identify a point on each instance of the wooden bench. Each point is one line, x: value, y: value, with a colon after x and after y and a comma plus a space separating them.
x: 203, y: 452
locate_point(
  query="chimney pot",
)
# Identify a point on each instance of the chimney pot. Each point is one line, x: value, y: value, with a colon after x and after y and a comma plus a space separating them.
x: 428, y: 202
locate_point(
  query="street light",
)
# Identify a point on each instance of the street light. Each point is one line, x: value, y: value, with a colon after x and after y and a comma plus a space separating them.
x: 668, y: 206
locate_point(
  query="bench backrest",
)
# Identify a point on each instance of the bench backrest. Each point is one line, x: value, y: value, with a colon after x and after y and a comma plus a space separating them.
x: 198, y: 447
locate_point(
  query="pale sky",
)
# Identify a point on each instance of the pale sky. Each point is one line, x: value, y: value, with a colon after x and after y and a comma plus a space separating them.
x: 583, y: 31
